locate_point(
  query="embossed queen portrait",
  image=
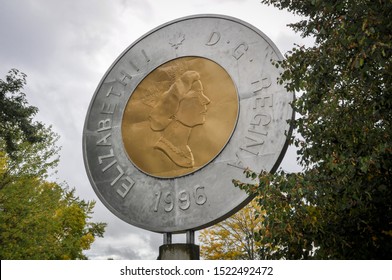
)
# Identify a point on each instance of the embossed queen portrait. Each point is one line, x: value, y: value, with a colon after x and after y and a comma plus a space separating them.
x: 178, y: 110
x: 180, y: 117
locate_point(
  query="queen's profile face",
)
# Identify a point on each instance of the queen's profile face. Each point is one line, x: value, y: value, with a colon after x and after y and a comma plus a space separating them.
x: 179, y: 117
x: 192, y: 109
x: 184, y: 102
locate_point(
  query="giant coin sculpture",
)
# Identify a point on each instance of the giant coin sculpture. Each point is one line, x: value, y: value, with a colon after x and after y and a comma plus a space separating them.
x: 179, y: 115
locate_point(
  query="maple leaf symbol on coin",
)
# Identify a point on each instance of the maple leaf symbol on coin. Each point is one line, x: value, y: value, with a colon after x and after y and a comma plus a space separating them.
x: 177, y: 40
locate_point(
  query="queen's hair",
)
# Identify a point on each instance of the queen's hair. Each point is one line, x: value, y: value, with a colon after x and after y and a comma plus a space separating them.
x: 167, y: 106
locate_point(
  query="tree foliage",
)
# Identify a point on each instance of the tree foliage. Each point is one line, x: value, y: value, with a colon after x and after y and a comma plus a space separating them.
x: 38, y: 219
x: 233, y: 238
x: 15, y: 114
x: 43, y: 220
x: 340, y: 206
x: 34, y: 160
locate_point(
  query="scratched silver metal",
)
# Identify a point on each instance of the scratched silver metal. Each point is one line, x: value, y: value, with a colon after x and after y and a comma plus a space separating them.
x: 259, y: 141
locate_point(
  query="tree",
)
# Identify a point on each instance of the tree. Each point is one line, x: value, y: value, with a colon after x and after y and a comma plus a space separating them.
x: 38, y: 219
x: 340, y: 206
x: 232, y: 239
x: 43, y: 220
x: 28, y: 159
x: 15, y: 113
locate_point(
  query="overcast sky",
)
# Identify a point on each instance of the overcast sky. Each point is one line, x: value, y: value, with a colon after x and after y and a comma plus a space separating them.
x: 66, y: 46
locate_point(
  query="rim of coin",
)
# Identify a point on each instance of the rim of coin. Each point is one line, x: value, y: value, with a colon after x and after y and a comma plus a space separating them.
x: 258, y: 140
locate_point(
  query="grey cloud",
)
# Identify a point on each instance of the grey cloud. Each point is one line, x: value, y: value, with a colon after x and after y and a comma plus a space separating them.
x: 123, y: 241
x: 119, y: 253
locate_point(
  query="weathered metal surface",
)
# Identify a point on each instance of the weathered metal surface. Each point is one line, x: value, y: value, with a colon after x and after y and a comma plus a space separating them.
x: 213, y: 76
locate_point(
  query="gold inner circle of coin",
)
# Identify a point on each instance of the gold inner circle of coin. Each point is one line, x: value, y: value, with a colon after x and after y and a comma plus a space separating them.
x: 180, y: 117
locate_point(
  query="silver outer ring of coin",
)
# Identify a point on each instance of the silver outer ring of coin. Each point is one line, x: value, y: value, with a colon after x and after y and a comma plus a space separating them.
x: 259, y: 141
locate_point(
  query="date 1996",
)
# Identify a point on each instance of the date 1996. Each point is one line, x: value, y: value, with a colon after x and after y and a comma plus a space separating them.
x: 264, y: 270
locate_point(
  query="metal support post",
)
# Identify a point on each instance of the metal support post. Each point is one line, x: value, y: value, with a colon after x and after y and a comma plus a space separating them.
x: 167, y: 238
